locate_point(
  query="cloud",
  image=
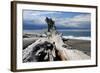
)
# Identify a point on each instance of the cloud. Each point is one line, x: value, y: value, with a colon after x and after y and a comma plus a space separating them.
x: 28, y: 15
x: 63, y: 19
x: 75, y: 21
x: 36, y: 17
x: 42, y: 13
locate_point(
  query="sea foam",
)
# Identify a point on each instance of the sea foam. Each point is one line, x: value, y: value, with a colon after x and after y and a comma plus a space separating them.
x: 78, y: 38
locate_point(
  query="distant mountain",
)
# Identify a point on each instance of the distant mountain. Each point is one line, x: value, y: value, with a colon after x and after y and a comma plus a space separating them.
x: 44, y: 26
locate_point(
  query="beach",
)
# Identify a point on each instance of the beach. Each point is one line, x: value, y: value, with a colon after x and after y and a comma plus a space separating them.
x: 82, y: 45
x: 79, y: 48
x: 79, y: 44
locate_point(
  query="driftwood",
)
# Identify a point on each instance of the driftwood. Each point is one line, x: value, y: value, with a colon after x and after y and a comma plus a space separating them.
x: 51, y: 49
x: 41, y: 50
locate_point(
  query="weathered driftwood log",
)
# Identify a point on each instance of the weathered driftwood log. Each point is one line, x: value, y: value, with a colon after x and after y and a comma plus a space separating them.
x: 51, y: 49
x: 43, y: 51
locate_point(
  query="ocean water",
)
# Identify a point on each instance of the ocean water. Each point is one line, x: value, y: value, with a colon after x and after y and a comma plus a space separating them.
x: 70, y: 34
x: 76, y: 33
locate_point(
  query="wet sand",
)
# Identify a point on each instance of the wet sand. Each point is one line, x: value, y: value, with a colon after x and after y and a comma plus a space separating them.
x: 82, y: 45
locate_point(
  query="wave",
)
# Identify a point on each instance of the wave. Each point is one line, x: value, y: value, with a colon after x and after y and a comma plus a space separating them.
x: 78, y: 38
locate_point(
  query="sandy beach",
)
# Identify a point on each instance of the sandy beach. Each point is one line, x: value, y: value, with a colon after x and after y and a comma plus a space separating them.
x: 37, y: 48
x: 82, y: 45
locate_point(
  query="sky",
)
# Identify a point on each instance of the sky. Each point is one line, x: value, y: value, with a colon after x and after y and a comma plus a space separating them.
x: 33, y: 19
